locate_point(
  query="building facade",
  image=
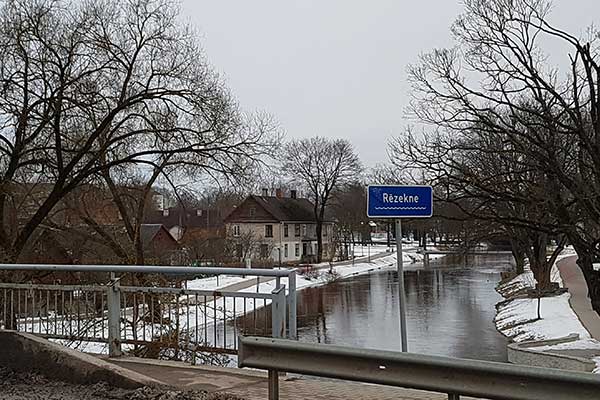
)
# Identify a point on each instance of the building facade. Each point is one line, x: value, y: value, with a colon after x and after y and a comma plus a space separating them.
x: 278, y: 229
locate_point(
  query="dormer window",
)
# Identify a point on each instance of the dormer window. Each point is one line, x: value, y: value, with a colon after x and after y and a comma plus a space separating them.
x: 252, y: 211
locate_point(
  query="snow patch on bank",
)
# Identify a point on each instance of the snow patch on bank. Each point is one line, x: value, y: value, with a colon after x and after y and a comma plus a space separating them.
x: 516, y: 317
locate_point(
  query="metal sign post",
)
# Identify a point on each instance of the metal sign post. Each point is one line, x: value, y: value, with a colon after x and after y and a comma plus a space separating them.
x: 386, y: 201
x: 401, y: 291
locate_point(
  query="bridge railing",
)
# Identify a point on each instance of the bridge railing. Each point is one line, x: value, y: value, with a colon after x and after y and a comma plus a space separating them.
x: 454, y: 377
x: 148, y: 319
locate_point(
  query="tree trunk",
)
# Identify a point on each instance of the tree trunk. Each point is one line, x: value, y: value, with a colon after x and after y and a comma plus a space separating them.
x: 538, y: 261
x: 319, y: 241
x: 519, y: 255
x: 542, y: 274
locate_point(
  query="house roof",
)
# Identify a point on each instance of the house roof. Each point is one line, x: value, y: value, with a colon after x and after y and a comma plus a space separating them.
x: 190, y: 218
x: 285, y: 208
x: 149, y: 231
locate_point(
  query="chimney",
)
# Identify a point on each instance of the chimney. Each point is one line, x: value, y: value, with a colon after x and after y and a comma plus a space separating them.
x: 279, y: 193
x: 293, y: 194
x: 265, y: 192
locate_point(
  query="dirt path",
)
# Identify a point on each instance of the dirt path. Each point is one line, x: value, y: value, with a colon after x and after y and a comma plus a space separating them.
x: 29, y: 386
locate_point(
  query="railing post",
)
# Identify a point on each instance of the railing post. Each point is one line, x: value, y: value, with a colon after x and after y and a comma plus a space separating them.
x: 278, y: 312
x: 278, y: 319
x: 113, y: 300
x: 273, y: 385
x: 293, y: 313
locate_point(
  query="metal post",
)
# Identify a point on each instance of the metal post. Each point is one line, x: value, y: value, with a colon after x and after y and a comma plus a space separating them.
x: 113, y: 300
x: 273, y: 385
x: 278, y: 312
x: 291, y: 300
x: 278, y: 316
x: 401, y: 295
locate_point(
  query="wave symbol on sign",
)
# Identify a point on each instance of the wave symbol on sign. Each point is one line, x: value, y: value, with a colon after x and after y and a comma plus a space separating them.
x: 401, y: 208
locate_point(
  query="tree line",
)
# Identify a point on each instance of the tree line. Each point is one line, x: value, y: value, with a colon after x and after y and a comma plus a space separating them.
x: 116, y: 96
x: 507, y: 138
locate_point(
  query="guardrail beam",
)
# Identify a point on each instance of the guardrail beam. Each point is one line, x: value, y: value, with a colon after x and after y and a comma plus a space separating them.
x: 455, y: 377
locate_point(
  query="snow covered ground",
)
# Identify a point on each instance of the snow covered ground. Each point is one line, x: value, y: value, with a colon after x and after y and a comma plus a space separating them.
x: 516, y: 318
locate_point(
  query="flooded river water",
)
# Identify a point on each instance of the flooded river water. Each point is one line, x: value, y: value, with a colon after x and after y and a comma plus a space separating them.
x: 450, y: 310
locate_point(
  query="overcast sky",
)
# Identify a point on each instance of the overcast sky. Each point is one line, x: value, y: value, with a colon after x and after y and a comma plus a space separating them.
x: 335, y: 67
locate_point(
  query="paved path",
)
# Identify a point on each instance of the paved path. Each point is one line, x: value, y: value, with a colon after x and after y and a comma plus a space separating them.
x: 252, y: 385
x: 573, y: 280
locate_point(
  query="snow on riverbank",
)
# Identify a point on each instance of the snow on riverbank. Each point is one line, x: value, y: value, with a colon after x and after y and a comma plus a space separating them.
x: 516, y: 316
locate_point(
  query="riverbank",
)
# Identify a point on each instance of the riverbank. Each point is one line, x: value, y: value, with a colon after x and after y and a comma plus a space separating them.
x: 517, y: 315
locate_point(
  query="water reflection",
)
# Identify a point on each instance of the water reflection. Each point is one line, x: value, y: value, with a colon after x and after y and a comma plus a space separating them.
x: 450, y: 310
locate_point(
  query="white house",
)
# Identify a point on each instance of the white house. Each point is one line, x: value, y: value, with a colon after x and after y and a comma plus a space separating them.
x: 284, y: 227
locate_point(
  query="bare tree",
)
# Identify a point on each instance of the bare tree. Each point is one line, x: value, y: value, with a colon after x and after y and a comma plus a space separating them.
x: 90, y: 88
x: 497, y: 79
x: 486, y: 181
x: 348, y: 206
x: 320, y: 165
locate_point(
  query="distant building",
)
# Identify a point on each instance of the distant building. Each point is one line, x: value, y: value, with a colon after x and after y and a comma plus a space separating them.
x: 281, y: 228
x: 180, y: 220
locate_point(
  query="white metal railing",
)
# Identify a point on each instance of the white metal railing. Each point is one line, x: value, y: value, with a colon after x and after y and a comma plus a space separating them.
x: 150, y: 319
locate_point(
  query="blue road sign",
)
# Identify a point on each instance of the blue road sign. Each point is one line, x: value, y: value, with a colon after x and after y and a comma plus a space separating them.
x: 385, y: 201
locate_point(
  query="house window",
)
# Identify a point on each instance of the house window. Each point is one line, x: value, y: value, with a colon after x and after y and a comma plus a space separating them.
x: 236, y: 230
x: 296, y: 230
x: 264, y: 251
x: 325, y: 230
x: 303, y: 230
x: 297, y: 249
x: 269, y: 231
x: 286, y: 230
x: 285, y: 250
x: 252, y: 211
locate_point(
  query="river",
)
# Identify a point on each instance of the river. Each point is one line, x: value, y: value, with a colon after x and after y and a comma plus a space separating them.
x: 450, y: 310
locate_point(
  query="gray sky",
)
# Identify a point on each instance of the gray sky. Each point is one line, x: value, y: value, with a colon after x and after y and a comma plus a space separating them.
x: 335, y: 67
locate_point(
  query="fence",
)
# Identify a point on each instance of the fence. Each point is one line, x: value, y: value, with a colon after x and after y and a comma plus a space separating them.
x: 172, y: 322
x: 455, y: 377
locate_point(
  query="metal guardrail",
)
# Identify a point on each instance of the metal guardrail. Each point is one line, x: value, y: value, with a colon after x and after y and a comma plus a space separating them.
x: 455, y: 377
x: 149, y: 318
